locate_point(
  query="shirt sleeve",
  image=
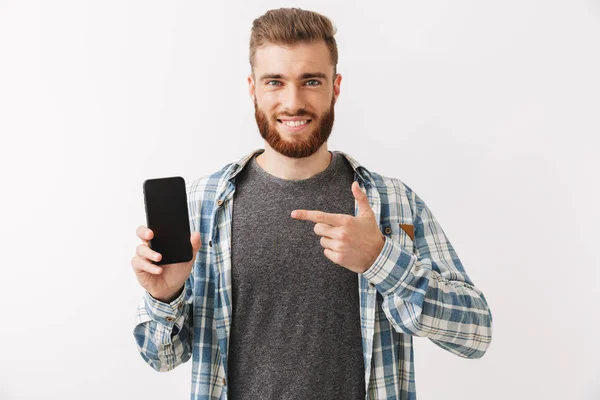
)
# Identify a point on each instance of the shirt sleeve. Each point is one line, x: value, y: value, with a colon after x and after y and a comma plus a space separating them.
x: 163, y: 330
x: 428, y: 293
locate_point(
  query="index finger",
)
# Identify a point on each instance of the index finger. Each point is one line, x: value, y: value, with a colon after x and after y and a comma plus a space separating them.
x: 144, y: 233
x: 319, y: 216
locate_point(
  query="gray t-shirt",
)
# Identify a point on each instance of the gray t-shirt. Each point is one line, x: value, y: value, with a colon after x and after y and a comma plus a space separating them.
x: 295, y: 330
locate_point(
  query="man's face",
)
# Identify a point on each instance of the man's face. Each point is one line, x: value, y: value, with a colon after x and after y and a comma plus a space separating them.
x: 294, y: 93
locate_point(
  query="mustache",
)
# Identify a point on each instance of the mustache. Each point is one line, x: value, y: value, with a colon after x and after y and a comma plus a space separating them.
x: 299, y: 113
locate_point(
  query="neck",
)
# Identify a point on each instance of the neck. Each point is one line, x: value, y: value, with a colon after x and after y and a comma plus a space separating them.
x: 284, y: 167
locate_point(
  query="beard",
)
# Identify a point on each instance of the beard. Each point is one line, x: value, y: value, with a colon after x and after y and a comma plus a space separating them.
x: 298, y: 146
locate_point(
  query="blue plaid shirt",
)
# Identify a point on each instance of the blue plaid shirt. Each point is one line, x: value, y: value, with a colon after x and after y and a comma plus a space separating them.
x: 417, y: 286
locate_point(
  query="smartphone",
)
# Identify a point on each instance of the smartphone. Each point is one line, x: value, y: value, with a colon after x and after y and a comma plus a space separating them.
x: 167, y: 215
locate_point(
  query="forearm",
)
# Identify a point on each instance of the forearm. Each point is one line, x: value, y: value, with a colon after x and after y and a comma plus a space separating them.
x: 163, y: 331
x: 423, y: 298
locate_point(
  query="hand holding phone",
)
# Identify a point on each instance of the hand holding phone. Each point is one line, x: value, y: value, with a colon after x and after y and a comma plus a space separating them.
x: 164, y: 260
x: 164, y: 282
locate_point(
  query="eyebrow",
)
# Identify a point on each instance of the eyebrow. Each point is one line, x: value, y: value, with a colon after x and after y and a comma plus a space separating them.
x: 307, y: 75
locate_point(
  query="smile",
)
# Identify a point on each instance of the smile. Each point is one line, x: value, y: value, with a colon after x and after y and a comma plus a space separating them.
x: 294, y: 125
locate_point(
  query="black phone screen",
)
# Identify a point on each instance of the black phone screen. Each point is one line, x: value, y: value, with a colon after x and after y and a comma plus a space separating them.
x: 167, y: 215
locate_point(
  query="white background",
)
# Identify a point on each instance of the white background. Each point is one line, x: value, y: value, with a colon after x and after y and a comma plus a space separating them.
x: 488, y: 110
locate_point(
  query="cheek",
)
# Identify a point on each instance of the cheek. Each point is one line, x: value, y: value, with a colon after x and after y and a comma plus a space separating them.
x: 322, y: 102
x: 268, y: 103
x: 268, y: 96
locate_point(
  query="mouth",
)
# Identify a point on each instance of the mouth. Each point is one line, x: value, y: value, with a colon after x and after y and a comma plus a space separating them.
x: 294, y: 125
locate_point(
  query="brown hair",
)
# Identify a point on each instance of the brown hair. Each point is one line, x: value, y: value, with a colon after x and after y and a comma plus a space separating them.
x: 288, y: 26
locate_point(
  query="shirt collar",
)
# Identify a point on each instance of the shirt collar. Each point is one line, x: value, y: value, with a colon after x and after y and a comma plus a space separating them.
x: 361, y: 171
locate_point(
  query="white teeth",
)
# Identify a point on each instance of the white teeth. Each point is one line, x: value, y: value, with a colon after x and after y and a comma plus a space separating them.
x: 294, y: 123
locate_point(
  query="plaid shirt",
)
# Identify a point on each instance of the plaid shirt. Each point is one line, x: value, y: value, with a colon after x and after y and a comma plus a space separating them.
x: 417, y: 286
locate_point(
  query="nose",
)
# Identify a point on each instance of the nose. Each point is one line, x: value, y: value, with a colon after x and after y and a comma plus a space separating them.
x: 292, y: 100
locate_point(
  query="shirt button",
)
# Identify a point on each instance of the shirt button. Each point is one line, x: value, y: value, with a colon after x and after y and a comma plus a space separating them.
x: 224, y: 381
x: 210, y: 243
x: 180, y: 306
x: 169, y: 319
x: 219, y: 202
x: 388, y: 230
x: 372, y: 284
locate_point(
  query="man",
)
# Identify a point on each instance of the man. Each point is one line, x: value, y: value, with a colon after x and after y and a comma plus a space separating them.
x: 311, y: 274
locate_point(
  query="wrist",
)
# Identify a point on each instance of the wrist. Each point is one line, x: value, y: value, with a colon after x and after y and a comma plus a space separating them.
x: 167, y: 297
x: 376, y: 256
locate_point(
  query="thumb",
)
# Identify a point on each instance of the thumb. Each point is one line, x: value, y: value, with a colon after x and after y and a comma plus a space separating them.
x: 361, y: 198
x: 196, y: 242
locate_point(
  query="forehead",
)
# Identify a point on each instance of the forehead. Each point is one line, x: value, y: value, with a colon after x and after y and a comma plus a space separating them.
x: 293, y: 59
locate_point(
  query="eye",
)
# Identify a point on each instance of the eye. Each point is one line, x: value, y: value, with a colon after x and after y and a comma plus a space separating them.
x: 316, y: 82
x: 275, y: 83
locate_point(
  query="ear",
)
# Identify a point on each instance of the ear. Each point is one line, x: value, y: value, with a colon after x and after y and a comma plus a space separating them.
x: 251, y: 87
x: 336, y: 86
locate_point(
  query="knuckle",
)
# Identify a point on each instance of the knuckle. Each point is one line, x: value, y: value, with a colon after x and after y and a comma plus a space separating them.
x: 148, y: 267
x: 145, y: 266
x: 318, y: 227
x: 141, y: 231
x: 335, y: 257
